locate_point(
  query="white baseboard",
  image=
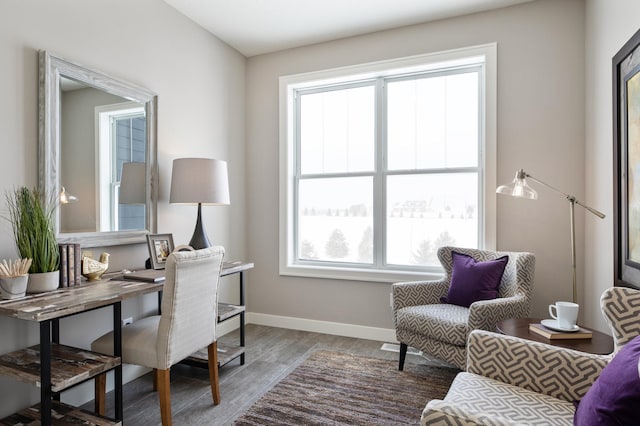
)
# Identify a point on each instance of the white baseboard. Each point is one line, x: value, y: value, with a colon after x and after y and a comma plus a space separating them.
x: 326, y: 327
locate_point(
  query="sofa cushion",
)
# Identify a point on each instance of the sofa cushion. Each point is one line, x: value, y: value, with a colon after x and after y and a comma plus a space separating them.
x: 614, y: 398
x: 443, y: 322
x: 472, y: 281
x: 492, y: 402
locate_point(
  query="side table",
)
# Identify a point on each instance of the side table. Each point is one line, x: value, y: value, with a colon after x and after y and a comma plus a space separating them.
x: 600, y: 343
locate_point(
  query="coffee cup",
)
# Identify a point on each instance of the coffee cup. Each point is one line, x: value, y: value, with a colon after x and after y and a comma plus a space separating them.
x: 566, y: 313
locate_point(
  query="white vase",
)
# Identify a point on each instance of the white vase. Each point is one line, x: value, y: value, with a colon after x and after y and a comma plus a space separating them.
x: 13, y: 287
x: 43, y: 281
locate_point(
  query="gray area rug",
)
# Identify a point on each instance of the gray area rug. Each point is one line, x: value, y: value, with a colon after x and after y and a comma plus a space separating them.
x: 338, y: 388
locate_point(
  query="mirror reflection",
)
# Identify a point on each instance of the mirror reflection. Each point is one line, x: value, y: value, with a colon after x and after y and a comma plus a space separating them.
x: 99, y: 134
x: 98, y: 142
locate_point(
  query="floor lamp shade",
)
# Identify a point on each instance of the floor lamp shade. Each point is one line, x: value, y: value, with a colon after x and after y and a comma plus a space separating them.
x: 520, y: 188
x: 199, y: 181
x: 132, y: 184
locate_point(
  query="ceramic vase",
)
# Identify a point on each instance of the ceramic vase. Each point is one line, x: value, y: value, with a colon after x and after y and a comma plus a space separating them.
x: 43, y: 281
x: 13, y: 287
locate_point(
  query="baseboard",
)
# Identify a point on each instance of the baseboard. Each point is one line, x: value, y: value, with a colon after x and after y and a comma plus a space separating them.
x: 325, y: 327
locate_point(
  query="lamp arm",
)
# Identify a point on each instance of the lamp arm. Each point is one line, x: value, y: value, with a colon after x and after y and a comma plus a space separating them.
x: 569, y: 197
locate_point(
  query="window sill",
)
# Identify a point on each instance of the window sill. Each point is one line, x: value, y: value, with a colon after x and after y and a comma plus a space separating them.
x: 356, y: 274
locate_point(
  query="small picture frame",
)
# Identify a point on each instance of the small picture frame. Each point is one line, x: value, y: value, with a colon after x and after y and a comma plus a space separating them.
x: 160, y: 246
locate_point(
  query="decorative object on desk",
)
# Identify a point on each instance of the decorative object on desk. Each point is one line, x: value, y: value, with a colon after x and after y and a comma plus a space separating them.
x: 544, y: 331
x: 31, y: 219
x: 184, y: 247
x: 626, y: 163
x: 93, y: 269
x: 199, y: 181
x: 70, y: 264
x: 160, y: 246
x: 519, y: 188
x: 13, y: 278
x: 66, y: 198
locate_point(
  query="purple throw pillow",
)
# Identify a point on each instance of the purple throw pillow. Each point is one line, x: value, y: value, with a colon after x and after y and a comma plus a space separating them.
x: 472, y: 281
x: 614, y: 398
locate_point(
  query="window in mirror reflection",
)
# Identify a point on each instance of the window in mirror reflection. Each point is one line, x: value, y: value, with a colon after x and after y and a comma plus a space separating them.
x: 122, y: 140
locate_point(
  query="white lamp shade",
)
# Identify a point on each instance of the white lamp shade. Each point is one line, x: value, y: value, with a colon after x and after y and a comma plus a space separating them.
x: 132, y: 184
x: 199, y: 180
x: 518, y: 187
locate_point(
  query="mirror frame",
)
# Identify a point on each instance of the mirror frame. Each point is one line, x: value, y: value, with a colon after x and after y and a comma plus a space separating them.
x: 51, y: 68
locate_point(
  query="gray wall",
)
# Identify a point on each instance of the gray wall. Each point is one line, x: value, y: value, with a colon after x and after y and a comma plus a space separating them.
x: 609, y: 25
x: 200, y: 85
x: 540, y: 128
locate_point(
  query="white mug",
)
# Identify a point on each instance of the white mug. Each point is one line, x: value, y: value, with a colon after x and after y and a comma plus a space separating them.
x: 566, y: 313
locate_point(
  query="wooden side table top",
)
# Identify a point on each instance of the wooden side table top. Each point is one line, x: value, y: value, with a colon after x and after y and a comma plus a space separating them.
x: 600, y: 343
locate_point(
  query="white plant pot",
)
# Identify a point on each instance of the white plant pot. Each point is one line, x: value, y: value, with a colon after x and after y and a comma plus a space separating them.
x: 43, y: 281
x: 13, y: 287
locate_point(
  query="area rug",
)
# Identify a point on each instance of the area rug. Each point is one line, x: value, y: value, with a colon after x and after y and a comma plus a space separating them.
x: 333, y: 388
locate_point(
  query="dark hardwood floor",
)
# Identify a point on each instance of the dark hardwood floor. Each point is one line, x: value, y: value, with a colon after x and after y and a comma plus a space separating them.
x: 270, y: 354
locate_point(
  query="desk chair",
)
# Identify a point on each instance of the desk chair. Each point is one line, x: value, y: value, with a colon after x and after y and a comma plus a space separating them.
x: 186, y: 325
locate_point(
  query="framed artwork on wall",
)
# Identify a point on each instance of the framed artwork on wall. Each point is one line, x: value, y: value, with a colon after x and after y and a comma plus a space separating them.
x: 160, y: 246
x: 626, y: 167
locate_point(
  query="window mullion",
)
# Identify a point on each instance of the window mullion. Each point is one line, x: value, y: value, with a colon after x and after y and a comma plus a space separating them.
x: 379, y: 181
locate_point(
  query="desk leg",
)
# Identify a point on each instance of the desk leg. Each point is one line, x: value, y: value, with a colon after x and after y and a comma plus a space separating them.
x: 242, y: 316
x: 55, y: 338
x: 117, y: 351
x: 45, y: 373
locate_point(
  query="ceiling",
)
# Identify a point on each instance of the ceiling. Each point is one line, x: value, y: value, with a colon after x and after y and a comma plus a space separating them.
x: 255, y: 27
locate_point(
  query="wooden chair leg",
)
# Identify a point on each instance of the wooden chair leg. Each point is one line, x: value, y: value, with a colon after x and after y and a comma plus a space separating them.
x: 212, y: 350
x: 100, y: 395
x: 165, y: 396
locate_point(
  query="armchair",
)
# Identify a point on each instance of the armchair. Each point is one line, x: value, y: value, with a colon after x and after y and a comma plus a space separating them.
x: 440, y: 329
x: 510, y: 380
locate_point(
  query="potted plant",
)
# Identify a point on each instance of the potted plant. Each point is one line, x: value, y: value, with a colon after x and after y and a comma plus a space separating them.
x: 32, y: 223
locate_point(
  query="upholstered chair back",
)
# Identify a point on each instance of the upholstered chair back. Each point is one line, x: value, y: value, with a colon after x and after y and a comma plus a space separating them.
x: 621, y: 309
x: 189, y: 304
x: 517, y: 279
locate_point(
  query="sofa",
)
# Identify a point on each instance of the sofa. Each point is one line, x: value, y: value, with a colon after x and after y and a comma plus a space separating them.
x: 512, y: 381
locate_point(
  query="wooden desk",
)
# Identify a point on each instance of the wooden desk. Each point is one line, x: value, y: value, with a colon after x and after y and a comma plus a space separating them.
x: 47, y: 365
x: 55, y: 367
x: 599, y: 343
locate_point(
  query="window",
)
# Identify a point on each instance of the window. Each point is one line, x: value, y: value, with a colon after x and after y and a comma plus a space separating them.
x: 383, y: 163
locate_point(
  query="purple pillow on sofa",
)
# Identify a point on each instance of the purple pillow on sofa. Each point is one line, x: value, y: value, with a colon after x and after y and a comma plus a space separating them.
x: 614, y: 398
x: 472, y: 281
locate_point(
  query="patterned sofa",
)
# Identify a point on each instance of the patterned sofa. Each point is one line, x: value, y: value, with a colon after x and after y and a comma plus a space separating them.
x: 515, y: 381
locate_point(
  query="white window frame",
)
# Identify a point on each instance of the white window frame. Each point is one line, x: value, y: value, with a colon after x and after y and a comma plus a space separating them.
x: 485, y: 54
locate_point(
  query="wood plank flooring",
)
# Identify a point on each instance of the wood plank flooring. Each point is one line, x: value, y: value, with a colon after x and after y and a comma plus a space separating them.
x: 270, y: 354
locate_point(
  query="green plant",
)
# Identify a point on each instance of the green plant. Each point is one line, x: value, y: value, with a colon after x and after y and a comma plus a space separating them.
x: 32, y: 223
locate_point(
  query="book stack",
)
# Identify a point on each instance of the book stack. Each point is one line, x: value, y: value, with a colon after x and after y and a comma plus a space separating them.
x: 70, y: 263
x: 543, y: 331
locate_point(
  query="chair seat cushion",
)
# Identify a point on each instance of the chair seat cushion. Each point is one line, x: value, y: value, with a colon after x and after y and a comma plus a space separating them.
x: 139, y: 343
x: 507, y: 404
x: 443, y: 322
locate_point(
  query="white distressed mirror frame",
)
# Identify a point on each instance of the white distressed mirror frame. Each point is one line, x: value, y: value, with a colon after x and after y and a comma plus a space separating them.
x: 50, y: 69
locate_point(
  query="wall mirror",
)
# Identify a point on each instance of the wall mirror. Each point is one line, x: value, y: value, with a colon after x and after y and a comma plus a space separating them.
x: 97, y: 142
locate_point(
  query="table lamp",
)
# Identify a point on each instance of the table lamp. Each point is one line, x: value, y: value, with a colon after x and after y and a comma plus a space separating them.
x: 201, y: 181
x: 519, y: 188
x: 132, y: 184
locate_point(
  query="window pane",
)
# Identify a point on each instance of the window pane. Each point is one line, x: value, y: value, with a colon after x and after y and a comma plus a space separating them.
x: 335, y: 220
x: 433, y: 122
x: 425, y: 212
x: 337, y: 131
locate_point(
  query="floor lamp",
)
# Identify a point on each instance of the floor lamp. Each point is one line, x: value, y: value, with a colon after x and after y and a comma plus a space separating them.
x: 199, y: 181
x: 519, y: 188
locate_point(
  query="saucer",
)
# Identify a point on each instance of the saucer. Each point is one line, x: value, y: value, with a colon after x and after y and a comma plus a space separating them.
x: 553, y: 325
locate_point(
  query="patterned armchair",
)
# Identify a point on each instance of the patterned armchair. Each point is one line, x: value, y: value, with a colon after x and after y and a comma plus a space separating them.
x: 441, y: 330
x: 516, y: 381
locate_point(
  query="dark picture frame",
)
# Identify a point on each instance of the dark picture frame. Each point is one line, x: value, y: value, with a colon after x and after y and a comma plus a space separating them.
x: 626, y: 167
x: 160, y: 247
